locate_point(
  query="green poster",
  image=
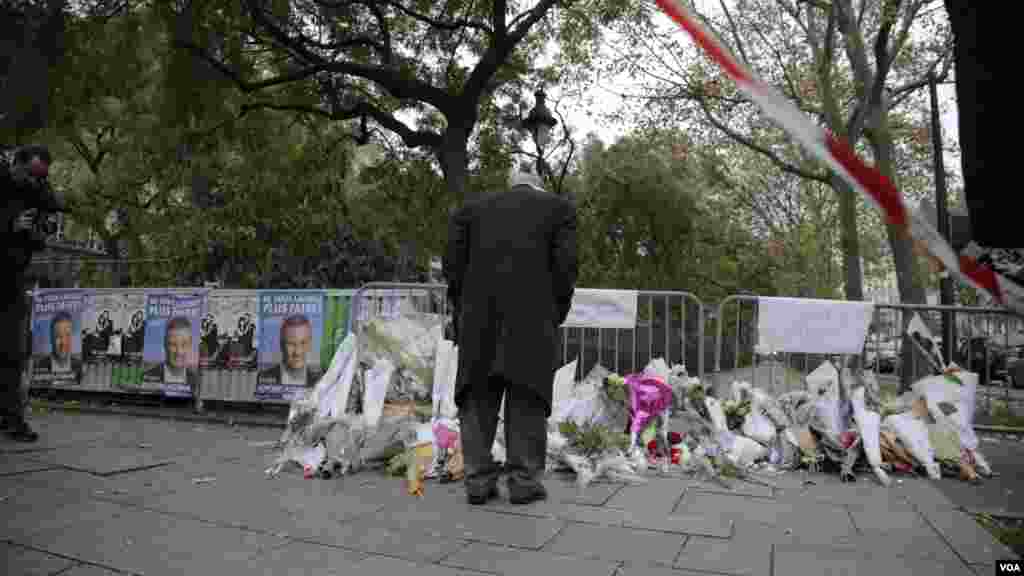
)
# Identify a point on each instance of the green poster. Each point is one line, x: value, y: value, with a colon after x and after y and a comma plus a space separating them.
x: 335, y: 323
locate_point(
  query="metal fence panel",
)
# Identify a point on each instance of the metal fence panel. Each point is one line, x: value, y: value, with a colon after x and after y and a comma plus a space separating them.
x: 669, y: 325
x: 983, y: 337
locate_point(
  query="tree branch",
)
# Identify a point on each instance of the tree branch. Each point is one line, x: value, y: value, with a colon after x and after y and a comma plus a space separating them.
x: 244, y: 85
x: 854, y: 45
x: 398, y: 84
x: 824, y: 53
x: 903, y: 92
x: 412, y: 138
x: 449, y: 25
x: 498, y: 52
x: 901, y: 37
x: 782, y: 164
x: 735, y: 33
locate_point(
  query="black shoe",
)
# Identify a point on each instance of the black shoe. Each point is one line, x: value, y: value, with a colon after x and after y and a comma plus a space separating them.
x: 525, y: 492
x: 480, y: 496
x: 22, y: 432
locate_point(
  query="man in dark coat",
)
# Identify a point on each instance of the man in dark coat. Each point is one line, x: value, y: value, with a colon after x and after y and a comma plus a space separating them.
x: 24, y: 188
x: 511, y: 268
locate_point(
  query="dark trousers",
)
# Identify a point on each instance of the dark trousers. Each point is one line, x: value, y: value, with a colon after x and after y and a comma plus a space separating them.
x: 12, y: 355
x: 526, y: 436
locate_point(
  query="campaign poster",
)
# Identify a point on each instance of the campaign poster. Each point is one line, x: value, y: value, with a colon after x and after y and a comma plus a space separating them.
x: 229, y: 337
x: 133, y: 310
x: 102, y: 328
x: 171, y: 350
x: 336, y: 310
x: 56, y: 337
x: 291, y: 330
x: 127, y: 372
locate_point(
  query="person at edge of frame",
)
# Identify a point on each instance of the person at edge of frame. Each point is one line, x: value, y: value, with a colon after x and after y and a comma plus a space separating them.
x: 27, y: 196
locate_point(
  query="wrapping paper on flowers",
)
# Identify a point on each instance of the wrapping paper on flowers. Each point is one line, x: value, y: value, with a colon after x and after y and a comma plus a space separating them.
x: 649, y: 398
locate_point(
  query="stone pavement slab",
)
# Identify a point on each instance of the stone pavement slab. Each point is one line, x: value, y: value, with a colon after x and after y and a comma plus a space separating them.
x: 802, y: 560
x: 89, y: 570
x: 62, y: 429
x: 301, y: 508
x: 464, y: 523
x: 593, y: 495
x: 747, y: 553
x: 736, y: 488
x: 372, y: 538
x: 865, y: 492
x: 922, y: 542
x: 150, y: 543
x: 21, y: 561
x: 923, y: 494
x: 27, y: 510
x: 616, y: 544
x: 657, y: 495
x: 14, y: 464
x: 875, y: 518
x: 101, y: 458
x: 304, y: 558
x: 641, y: 569
x: 515, y: 562
x: 823, y: 520
x: 137, y: 487
x: 385, y: 566
x: 972, y: 543
x: 714, y: 526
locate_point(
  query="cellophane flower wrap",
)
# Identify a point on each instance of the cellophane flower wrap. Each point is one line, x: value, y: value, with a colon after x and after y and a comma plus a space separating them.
x: 649, y: 397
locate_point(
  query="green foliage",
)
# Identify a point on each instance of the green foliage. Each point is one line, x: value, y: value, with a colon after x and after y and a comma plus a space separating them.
x: 829, y: 81
x: 591, y: 439
x: 615, y: 389
x: 651, y: 216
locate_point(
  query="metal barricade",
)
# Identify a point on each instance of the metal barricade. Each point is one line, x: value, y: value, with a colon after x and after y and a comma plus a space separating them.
x: 385, y: 299
x: 670, y: 325
x: 735, y: 350
x: 991, y: 337
x: 987, y: 341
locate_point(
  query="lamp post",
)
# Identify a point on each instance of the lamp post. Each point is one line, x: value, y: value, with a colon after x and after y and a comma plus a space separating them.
x: 942, y: 219
x: 539, y: 123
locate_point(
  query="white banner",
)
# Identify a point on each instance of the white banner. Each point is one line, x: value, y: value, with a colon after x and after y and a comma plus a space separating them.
x: 594, y: 308
x: 812, y: 326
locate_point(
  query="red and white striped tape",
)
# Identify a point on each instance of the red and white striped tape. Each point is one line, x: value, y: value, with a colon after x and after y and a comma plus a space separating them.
x: 841, y: 158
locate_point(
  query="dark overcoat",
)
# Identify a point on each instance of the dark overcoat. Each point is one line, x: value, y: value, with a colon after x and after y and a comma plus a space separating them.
x: 511, y: 268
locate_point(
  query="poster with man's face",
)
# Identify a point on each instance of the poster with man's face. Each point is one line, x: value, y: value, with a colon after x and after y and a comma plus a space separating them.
x: 56, y: 339
x: 229, y: 333
x: 102, y: 328
x: 291, y: 325
x: 171, y: 352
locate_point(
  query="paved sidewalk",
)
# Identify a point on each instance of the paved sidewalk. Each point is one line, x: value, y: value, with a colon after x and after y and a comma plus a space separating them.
x: 106, y: 494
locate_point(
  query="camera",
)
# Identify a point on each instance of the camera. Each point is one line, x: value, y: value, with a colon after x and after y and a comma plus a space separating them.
x: 33, y: 205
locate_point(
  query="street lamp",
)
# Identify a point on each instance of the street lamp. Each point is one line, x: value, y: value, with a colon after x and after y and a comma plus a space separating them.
x: 539, y: 123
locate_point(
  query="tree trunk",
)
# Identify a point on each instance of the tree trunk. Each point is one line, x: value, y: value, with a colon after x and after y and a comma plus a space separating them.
x: 29, y: 55
x: 907, y: 281
x: 453, y: 156
x: 850, y: 239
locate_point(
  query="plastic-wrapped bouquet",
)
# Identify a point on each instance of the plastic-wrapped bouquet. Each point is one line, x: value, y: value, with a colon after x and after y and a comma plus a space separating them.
x: 593, y: 451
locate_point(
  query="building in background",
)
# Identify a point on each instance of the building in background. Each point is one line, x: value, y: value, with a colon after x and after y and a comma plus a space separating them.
x: 60, y: 264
